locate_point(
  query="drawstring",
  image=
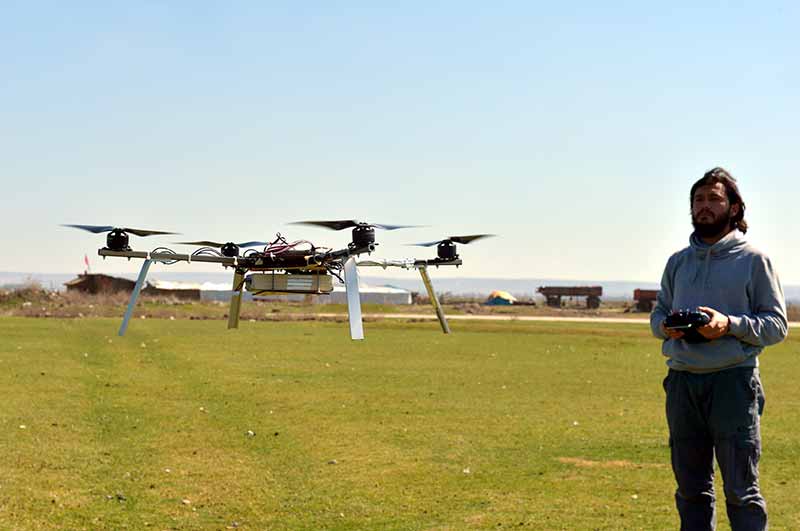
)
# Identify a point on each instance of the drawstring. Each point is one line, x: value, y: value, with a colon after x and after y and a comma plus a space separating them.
x: 705, y: 258
x: 705, y: 254
x: 700, y: 256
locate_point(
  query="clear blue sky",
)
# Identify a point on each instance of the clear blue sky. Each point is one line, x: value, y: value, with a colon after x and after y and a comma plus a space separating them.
x: 573, y: 130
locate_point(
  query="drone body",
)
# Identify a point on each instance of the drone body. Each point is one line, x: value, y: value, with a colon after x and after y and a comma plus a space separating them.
x: 282, y: 266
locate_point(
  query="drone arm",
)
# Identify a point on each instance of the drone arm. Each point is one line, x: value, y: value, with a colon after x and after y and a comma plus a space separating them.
x: 321, y: 258
x: 407, y: 263
x: 426, y: 279
x: 353, y: 299
x: 135, y: 295
x: 236, y: 299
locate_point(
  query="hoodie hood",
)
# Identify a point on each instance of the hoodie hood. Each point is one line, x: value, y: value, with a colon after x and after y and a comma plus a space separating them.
x: 702, y: 254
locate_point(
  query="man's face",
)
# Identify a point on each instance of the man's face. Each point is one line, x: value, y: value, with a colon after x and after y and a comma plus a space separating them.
x: 711, y: 211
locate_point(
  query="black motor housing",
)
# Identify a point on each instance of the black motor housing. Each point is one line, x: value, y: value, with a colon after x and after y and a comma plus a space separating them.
x: 446, y: 250
x: 117, y: 240
x: 230, y: 250
x: 363, y: 235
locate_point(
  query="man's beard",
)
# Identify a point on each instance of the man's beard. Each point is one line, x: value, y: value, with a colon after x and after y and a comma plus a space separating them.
x: 708, y: 230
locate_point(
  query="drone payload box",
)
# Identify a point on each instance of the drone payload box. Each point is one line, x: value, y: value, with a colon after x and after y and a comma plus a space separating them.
x: 289, y: 283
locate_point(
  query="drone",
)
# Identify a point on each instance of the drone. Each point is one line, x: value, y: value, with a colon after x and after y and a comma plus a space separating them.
x: 283, y: 266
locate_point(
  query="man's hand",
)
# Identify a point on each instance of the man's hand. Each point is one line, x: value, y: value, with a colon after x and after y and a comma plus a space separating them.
x: 671, y: 332
x: 719, y: 325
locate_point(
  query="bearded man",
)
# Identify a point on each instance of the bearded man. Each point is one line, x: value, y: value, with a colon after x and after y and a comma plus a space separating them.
x: 714, y: 396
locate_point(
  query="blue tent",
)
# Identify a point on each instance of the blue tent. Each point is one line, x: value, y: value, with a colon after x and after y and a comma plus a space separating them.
x: 500, y: 298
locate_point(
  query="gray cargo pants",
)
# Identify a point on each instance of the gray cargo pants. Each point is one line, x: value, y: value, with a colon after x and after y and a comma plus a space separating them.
x: 716, y: 413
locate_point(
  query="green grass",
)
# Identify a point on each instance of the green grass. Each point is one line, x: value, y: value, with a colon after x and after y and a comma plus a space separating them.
x: 500, y: 425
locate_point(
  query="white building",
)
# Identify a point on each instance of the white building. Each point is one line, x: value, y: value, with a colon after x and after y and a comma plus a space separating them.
x: 369, y: 295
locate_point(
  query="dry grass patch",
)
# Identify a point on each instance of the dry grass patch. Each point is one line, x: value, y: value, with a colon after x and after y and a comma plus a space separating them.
x: 587, y: 463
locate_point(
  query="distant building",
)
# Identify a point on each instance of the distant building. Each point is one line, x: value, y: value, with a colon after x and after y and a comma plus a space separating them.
x: 368, y: 295
x: 645, y: 299
x: 95, y: 283
x: 553, y: 294
x: 177, y: 290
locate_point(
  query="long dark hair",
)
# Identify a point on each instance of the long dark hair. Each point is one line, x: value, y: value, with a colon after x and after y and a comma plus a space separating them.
x: 720, y: 175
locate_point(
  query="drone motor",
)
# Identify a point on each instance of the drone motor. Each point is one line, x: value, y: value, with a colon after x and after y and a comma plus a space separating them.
x: 446, y: 250
x: 117, y: 240
x: 230, y: 250
x: 363, y: 235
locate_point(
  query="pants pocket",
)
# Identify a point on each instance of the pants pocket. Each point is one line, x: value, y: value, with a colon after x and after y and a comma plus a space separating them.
x: 760, y: 396
x: 739, y: 466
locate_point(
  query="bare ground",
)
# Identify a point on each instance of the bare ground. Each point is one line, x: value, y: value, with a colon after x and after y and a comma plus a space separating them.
x: 33, y: 301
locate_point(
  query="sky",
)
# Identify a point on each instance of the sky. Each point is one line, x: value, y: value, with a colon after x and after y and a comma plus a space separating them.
x: 572, y: 130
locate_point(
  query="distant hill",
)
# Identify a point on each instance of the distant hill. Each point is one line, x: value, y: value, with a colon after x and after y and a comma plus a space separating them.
x: 525, y: 287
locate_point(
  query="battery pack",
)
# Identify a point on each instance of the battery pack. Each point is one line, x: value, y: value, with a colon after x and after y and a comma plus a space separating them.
x: 288, y: 283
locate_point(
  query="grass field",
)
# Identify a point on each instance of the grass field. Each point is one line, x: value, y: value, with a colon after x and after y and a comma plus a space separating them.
x: 290, y: 425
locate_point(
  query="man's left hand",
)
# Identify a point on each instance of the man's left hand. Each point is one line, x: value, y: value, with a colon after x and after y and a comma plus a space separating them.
x: 719, y: 325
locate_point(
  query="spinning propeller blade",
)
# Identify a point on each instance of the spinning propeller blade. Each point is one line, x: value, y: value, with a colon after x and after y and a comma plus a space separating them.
x: 204, y: 243
x: 143, y: 232
x: 426, y: 244
x: 393, y: 227
x: 97, y: 229
x: 341, y: 224
x: 207, y: 243
x: 333, y: 225
x: 470, y: 238
x: 456, y: 239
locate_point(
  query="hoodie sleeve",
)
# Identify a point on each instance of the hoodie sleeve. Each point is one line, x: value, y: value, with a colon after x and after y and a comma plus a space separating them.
x: 664, y: 300
x: 767, y: 323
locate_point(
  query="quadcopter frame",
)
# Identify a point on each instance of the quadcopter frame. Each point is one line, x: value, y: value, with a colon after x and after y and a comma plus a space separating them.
x: 304, y: 262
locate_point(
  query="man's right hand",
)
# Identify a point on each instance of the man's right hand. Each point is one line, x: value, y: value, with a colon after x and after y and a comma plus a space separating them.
x: 673, y: 334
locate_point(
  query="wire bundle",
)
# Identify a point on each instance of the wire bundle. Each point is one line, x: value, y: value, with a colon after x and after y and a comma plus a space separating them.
x: 281, y: 245
x: 164, y: 250
x: 207, y: 251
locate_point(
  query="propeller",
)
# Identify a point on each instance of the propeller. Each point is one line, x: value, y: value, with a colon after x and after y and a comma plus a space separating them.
x: 363, y: 233
x: 229, y: 249
x: 348, y: 223
x: 117, y: 239
x: 206, y: 243
x: 455, y: 239
x: 97, y: 229
x: 446, y: 249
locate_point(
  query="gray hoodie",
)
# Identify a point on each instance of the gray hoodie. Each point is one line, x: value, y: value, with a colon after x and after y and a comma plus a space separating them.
x: 733, y: 278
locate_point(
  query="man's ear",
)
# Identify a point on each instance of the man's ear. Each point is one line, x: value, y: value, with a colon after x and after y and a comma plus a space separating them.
x: 736, y: 208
